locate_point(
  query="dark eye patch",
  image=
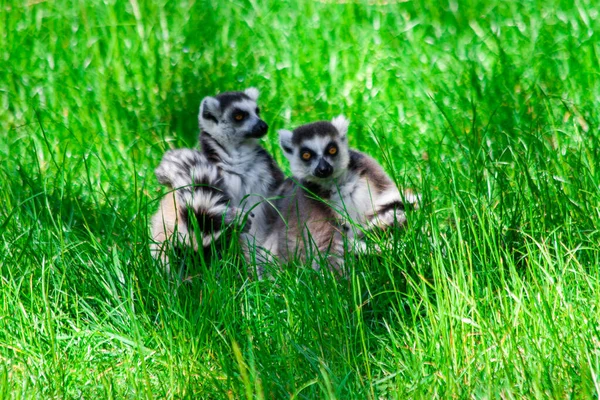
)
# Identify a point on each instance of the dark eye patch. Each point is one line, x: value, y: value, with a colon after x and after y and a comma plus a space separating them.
x: 304, y: 150
x: 239, y: 115
x: 331, y: 149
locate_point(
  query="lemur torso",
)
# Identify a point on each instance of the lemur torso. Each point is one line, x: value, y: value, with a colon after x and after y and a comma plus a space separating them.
x: 250, y: 176
x: 220, y: 184
x: 307, y: 228
x: 330, y: 218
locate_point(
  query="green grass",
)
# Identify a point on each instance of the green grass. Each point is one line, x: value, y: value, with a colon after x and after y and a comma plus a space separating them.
x: 490, y: 109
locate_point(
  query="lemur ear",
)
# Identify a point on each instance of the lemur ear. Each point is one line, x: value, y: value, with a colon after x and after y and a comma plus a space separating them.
x: 252, y: 92
x: 341, y: 124
x: 285, y: 141
x: 210, y: 111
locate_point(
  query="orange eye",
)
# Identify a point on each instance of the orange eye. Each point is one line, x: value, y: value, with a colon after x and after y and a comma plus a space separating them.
x: 306, y: 155
x: 238, y: 117
x: 332, y: 151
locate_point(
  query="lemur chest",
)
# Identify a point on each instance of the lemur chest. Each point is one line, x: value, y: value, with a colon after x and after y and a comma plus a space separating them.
x: 247, y: 178
x: 354, y: 199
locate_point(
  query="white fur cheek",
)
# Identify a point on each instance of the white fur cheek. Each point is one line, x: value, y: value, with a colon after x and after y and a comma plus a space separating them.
x: 222, y: 133
x: 207, y: 125
x: 299, y: 169
x: 248, y: 124
x: 340, y: 164
x: 343, y: 159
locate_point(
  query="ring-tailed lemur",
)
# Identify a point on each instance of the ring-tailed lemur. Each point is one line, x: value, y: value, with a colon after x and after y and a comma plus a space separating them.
x: 231, y: 175
x: 333, y: 188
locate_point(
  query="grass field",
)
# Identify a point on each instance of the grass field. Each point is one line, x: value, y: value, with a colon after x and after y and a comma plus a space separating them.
x: 490, y: 109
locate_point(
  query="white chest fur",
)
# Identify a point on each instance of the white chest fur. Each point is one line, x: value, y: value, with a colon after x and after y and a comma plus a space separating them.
x: 248, y: 180
x: 354, y: 199
x: 247, y: 177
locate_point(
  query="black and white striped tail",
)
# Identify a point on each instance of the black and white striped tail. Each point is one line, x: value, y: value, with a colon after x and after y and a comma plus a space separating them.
x: 202, y: 202
x: 391, y: 209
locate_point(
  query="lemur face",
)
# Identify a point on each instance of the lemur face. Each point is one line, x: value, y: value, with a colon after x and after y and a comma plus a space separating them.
x: 317, y: 152
x: 232, y: 118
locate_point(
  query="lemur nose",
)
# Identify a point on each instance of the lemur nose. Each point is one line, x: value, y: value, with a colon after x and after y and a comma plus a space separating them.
x: 323, y: 170
x: 260, y: 128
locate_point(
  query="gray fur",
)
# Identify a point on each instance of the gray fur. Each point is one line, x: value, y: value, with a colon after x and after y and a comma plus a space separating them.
x: 229, y: 177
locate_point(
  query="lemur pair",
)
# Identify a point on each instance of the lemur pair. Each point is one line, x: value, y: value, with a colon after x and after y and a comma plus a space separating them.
x: 335, y: 195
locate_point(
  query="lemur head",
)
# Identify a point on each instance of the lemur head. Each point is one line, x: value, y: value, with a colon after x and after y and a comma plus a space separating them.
x: 317, y: 152
x: 232, y: 118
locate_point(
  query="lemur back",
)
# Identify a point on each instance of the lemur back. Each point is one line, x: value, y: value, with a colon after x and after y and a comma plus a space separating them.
x: 337, y: 194
x: 217, y: 186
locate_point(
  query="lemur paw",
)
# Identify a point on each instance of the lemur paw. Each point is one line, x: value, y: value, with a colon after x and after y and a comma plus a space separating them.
x: 389, y: 218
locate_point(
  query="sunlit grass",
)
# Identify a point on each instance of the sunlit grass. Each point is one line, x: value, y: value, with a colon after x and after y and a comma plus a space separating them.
x: 488, y: 109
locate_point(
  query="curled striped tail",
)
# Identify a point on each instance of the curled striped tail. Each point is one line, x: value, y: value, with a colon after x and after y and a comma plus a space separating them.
x: 202, y: 203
